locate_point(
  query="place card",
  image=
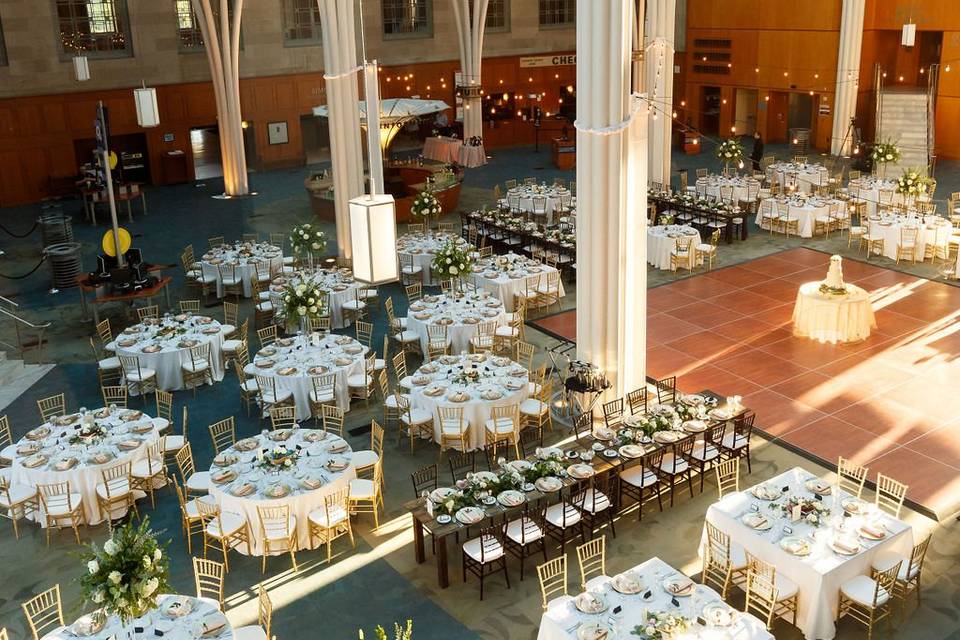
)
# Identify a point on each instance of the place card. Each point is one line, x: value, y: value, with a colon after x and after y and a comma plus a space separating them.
x: 795, y: 514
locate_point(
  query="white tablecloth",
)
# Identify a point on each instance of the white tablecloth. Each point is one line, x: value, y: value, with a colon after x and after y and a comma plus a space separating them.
x: 523, y: 197
x: 245, y: 256
x: 435, y: 384
x: 889, y: 227
x: 339, y: 284
x: 423, y: 246
x: 805, y: 211
x: 820, y: 574
x: 175, y: 336
x: 868, y: 188
x: 803, y: 176
x: 506, y: 276
x: 562, y: 616
x: 462, y: 315
x: 86, y: 474
x: 442, y: 148
x: 830, y: 318
x: 472, y: 156
x: 709, y: 187
x: 662, y: 239
x: 315, y: 454
x: 296, y: 357
x: 202, y: 615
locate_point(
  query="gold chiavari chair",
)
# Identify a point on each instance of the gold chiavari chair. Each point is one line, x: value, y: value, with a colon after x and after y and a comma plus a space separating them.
x: 44, y: 612
x: 364, y: 459
x: 851, y: 476
x: 890, y: 495
x: 17, y: 501
x: 282, y: 417
x: 681, y: 256
x: 548, y: 293
x: 356, y: 308
x: 705, y: 253
x: 278, y: 530
x: 446, y: 227
x: 6, y: 439
x: 908, y: 578
x: 261, y: 630
x: 592, y: 558
x: 189, y: 306
x: 453, y: 428
x: 151, y: 312
x: 215, y: 242
x: 390, y: 408
x: 149, y: 472
x: 503, y: 427
x: 769, y: 594
x: 223, y: 434
x: 414, y: 292
x: 867, y: 599
x: 364, y: 332
x: 907, y: 246
x: 332, y: 419
x: 553, y: 579
x: 437, y: 344
x: 115, y: 495
x: 446, y: 286
x: 332, y: 520
x: 251, y: 238
x: 222, y: 530
x: 231, y: 317
x: 114, y: 395
x: 190, y: 520
x: 404, y: 381
x: 417, y: 422
x: 62, y: 507
x: 535, y: 380
x: 194, y: 482
x: 173, y: 443
x: 323, y: 393
x: 164, y: 400
x: 409, y: 271
x: 108, y: 367
x: 414, y: 227
x: 105, y: 334
x: 482, y: 340
x: 208, y: 578
x: 360, y: 385
x: 52, y: 407
x: 138, y: 378
x: 523, y: 354
x: 728, y: 476
x: 249, y: 391
x: 320, y: 324
x: 507, y: 335
x: 197, y: 370
x: 535, y: 411
x: 267, y: 335
x: 366, y: 495
x: 724, y: 563
x: 269, y: 394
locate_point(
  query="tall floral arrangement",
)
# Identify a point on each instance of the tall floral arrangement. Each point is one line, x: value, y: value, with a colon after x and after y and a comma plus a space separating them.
x: 425, y: 206
x: 304, y: 299
x: 306, y: 239
x: 125, y: 576
x: 885, y: 152
x: 452, y: 261
x: 913, y: 183
x: 660, y: 625
x: 730, y: 151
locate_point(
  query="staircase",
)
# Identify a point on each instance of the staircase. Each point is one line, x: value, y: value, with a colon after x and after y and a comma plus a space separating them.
x: 903, y: 120
x: 16, y: 377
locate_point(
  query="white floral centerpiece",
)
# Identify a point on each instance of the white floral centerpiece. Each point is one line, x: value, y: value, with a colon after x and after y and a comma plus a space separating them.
x: 426, y: 206
x: 661, y: 625
x: 913, y: 183
x: 452, y: 261
x: 305, y: 240
x: 125, y: 576
x: 730, y: 151
x: 883, y: 153
x: 299, y: 301
x: 276, y: 459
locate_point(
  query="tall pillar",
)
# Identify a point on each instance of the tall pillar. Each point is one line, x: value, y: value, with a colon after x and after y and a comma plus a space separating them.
x: 661, y: 18
x: 470, y: 27
x: 221, y: 37
x: 848, y: 76
x: 611, y: 192
x: 343, y: 96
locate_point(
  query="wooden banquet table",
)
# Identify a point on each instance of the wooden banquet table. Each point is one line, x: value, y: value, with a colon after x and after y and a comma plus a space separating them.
x: 680, y: 203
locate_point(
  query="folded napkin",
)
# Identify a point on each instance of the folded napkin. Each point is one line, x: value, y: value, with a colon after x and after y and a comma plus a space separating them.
x: 128, y: 445
x: 311, y: 483
x: 846, y: 545
x: 213, y: 624
x: 874, y: 530
x: 243, y: 490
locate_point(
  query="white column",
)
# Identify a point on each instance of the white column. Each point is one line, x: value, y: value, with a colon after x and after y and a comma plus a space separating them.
x: 222, y: 44
x: 340, y: 76
x: 470, y: 28
x: 661, y: 19
x: 611, y: 192
x: 848, y: 74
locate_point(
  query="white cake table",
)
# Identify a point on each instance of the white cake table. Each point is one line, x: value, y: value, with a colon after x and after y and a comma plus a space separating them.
x: 833, y: 318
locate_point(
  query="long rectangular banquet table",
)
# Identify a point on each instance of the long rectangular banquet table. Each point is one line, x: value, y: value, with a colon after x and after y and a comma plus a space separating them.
x: 424, y: 521
x: 535, y: 237
x: 819, y: 574
x: 664, y: 203
x: 563, y: 620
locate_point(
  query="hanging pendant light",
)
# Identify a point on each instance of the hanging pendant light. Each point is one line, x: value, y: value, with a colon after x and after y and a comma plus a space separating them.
x: 81, y: 68
x: 373, y: 238
x: 148, y: 112
x: 909, y: 34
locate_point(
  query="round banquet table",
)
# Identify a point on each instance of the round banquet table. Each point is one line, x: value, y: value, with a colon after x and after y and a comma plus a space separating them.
x: 460, y: 312
x: 710, y: 187
x: 833, y: 318
x: 195, y: 619
x: 44, y: 454
x: 556, y: 196
x: 294, y: 362
x: 323, y: 467
x: 804, y: 210
x: 472, y: 155
x: 245, y: 257
x: 889, y: 227
x: 804, y: 176
x: 423, y: 246
x: 338, y: 283
x: 442, y: 148
x: 506, y: 276
x: 662, y: 239
x: 164, y: 344
x: 868, y: 189
x: 501, y: 382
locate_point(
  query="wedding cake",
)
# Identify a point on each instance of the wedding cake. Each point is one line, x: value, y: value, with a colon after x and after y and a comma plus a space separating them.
x: 834, y: 281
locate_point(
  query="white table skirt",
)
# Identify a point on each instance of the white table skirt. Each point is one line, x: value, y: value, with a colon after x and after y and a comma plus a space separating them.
x: 422, y: 260
x: 338, y: 319
x: 804, y: 215
x: 458, y: 334
x: 870, y: 192
x: 659, y: 246
x: 712, y: 191
x: 891, y: 237
x: 188, y: 627
x: 301, y: 385
x: 806, y: 179
x: 476, y: 411
x: 442, y: 148
x: 562, y: 615
x: 244, y: 271
x: 506, y: 288
x: 828, y: 318
x: 84, y: 478
x: 167, y: 362
x: 301, y: 504
x: 819, y: 575
x: 472, y: 156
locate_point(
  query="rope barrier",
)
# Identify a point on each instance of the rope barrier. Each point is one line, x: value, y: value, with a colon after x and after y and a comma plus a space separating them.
x: 43, y: 259
x: 11, y: 233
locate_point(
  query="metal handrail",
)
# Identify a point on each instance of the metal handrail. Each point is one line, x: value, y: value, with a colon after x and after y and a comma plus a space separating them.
x: 18, y: 321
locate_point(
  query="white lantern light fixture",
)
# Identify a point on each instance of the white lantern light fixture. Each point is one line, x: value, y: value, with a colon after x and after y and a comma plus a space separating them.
x: 81, y: 68
x: 909, y: 34
x: 373, y: 238
x: 148, y: 112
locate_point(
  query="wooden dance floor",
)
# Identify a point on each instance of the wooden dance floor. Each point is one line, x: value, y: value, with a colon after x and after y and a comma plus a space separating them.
x: 891, y: 402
